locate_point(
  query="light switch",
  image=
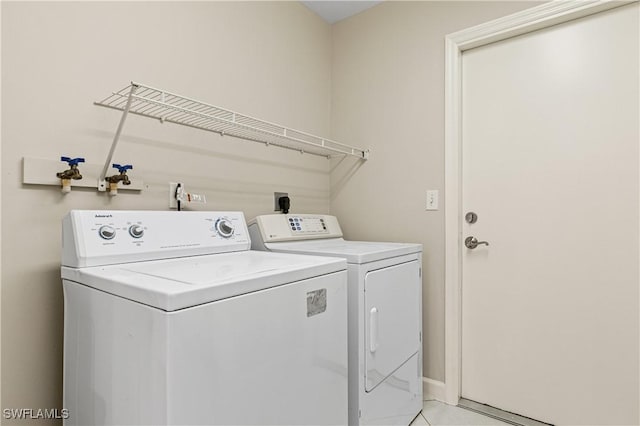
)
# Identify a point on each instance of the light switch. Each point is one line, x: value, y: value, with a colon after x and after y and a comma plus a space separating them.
x: 432, y: 199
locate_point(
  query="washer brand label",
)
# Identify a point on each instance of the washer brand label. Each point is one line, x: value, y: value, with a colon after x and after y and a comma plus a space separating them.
x: 103, y: 215
x: 316, y: 302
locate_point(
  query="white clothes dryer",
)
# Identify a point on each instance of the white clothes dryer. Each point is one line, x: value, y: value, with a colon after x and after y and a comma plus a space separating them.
x: 385, y: 312
x: 170, y: 319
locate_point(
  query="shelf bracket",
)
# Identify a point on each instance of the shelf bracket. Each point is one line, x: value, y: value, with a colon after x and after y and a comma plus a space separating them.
x: 102, y: 183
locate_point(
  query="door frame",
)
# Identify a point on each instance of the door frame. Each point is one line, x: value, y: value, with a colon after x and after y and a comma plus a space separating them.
x: 543, y: 16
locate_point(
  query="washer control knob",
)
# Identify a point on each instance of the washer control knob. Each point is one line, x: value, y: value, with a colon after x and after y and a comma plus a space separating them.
x: 224, y: 227
x: 107, y: 232
x: 136, y: 231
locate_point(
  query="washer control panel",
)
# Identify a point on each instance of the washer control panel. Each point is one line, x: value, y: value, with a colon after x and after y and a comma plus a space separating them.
x: 92, y: 238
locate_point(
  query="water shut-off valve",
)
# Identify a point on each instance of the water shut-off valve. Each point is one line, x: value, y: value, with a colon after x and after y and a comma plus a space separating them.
x: 71, y: 173
x: 122, y: 177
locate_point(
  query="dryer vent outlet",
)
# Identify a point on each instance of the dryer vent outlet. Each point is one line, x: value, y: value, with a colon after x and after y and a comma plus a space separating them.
x: 276, y: 200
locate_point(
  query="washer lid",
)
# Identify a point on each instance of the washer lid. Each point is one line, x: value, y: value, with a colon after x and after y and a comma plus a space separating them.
x: 184, y: 282
x: 357, y: 252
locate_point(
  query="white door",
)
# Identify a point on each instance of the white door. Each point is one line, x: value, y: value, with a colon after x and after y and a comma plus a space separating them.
x: 550, y: 307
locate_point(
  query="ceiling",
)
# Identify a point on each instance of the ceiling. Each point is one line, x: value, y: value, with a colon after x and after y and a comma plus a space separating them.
x: 334, y: 11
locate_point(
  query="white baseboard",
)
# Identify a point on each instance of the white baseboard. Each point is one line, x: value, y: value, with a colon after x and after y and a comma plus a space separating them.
x: 433, y: 389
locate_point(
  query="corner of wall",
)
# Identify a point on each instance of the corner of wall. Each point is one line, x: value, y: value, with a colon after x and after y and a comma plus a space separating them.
x: 433, y: 389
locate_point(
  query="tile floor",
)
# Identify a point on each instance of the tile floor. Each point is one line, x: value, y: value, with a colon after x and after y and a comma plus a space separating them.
x: 437, y: 413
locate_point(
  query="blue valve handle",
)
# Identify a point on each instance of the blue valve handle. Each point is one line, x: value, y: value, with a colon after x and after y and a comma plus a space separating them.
x: 122, y: 169
x: 72, y: 161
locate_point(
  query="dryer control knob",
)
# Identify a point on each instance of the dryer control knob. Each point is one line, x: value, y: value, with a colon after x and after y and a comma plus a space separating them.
x: 224, y: 227
x: 136, y: 231
x: 107, y: 232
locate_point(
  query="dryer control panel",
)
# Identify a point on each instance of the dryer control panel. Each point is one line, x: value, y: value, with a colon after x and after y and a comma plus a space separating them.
x: 307, y: 225
x: 96, y: 237
x: 292, y: 227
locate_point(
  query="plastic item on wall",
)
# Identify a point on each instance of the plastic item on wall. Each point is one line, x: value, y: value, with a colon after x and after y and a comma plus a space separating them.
x: 182, y: 196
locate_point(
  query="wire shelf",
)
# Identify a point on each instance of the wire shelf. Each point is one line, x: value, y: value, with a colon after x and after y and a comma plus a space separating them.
x: 168, y: 107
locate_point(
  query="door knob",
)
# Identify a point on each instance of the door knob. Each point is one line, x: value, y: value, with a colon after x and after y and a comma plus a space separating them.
x: 472, y: 242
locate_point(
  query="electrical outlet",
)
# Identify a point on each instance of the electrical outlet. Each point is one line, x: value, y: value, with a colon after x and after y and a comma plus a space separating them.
x: 432, y: 199
x: 276, y: 197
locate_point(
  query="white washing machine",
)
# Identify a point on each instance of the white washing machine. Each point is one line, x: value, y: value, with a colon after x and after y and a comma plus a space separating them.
x: 170, y: 319
x: 385, y: 312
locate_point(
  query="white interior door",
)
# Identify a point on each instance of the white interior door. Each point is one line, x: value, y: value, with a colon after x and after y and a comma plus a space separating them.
x: 550, y: 308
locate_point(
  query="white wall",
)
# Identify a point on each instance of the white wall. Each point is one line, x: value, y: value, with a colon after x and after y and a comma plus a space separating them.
x: 271, y: 60
x: 388, y: 95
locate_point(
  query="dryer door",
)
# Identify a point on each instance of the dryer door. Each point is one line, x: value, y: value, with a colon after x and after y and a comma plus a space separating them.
x: 392, y: 319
